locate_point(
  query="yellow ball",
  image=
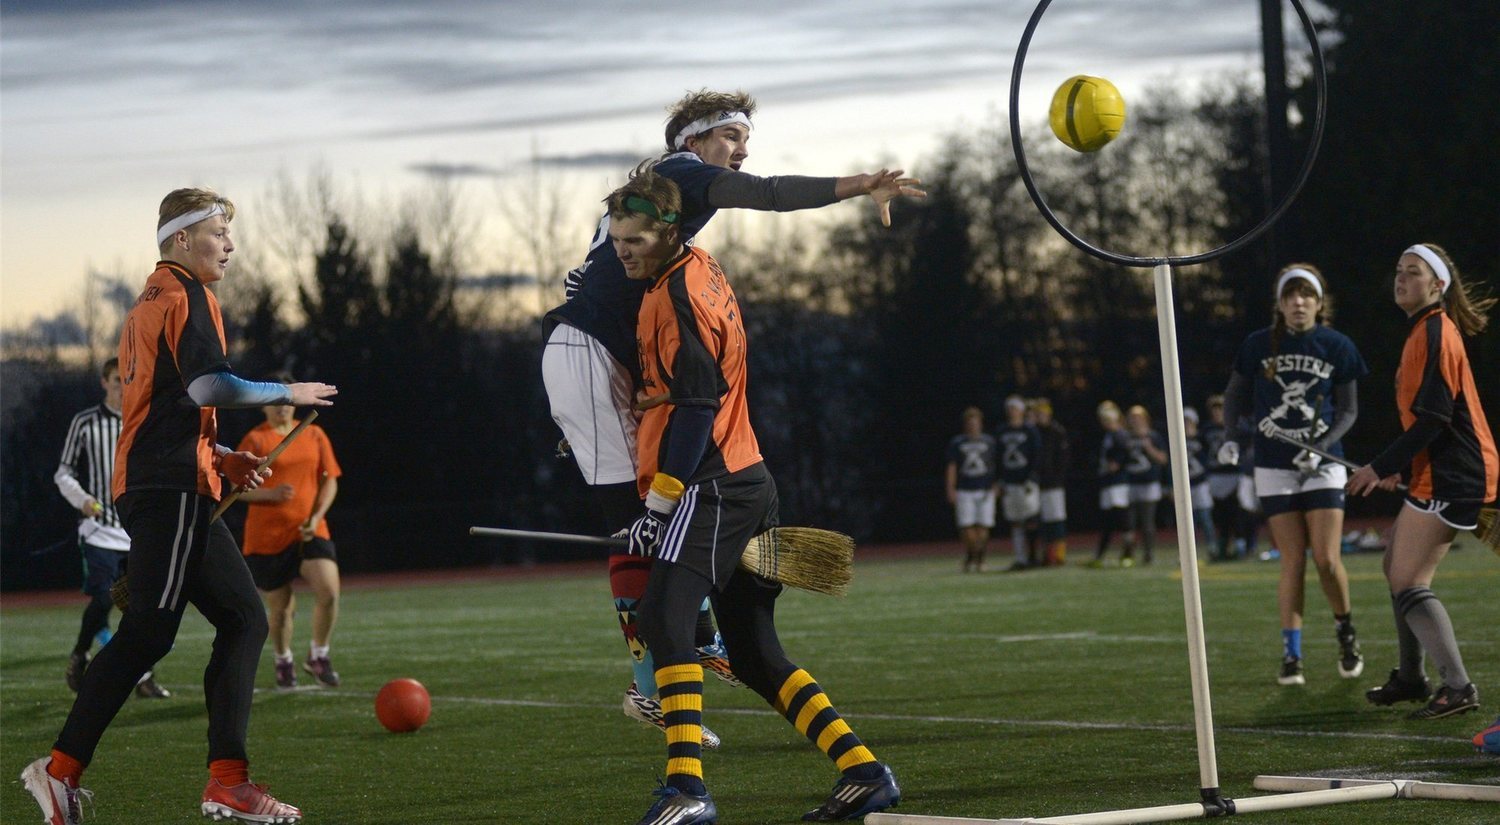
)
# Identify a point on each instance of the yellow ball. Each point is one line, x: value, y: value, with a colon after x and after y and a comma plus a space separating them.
x: 1087, y: 112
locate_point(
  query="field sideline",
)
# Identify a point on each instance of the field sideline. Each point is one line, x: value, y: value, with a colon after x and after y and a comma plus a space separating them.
x: 1040, y: 693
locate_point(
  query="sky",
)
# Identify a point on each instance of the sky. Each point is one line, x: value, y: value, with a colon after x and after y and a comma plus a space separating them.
x: 106, y: 105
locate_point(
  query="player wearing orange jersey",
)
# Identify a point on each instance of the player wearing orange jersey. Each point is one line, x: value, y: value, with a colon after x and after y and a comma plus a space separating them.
x: 175, y: 371
x: 1448, y: 459
x: 286, y: 535
x: 707, y: 492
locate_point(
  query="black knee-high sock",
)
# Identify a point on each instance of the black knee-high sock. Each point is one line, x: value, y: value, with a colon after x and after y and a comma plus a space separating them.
x: 95, y: 619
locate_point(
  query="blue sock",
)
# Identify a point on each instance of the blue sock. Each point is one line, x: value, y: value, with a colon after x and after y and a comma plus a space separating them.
x: 103, y: 636
x: 1291, y: 642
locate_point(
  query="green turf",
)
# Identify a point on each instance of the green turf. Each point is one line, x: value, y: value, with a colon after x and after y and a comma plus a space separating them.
x: 997, y: 695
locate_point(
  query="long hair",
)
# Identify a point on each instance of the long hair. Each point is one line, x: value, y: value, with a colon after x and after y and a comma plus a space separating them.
x: 1278, y: 325
x: 700, y: 104
x: 1464, y: 302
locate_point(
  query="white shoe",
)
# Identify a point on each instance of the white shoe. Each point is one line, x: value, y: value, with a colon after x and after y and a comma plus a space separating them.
x: 60, y: 803
x: 647, y: 711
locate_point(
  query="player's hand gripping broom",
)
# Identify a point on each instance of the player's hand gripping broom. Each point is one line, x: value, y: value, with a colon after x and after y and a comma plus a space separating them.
x: 119, y: 592
x: 820, y: 561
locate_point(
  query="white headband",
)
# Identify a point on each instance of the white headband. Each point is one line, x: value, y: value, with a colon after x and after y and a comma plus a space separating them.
x: 1299, y: 272
x: 183, y: 221
x: 1435, y: 261
x: 713, y: 121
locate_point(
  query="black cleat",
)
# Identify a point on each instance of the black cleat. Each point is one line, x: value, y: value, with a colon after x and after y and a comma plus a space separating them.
x: 1291, y: 672
x: 1351, y: 663
x: 1397, y: 689
x: 673, y: 807
x: 852, y: 798
x: 147, y: 688
x: 1449, y: 702
x: 77, y: 664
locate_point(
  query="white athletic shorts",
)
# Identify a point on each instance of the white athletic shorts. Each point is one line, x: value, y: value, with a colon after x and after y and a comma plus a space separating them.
x: 1054, y: 504
x: 1249, y: 502
x: 1114, y: 497
x: 975, y: 508
x: 1202, y: 498
x: 1271, y: 481
x: 1223, y: 485
x: 1145, y: 492
x: 1021, y: 502
x: 591, y: 396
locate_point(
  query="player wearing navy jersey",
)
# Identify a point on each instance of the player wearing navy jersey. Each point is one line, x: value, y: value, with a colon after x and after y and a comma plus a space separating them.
x: 1052, y: 476
x: 971, y: 483
x: 1199, y: 456
x: 589, y: 364
x: 1223, y: 481
x: 1448, y: 459
x: 1147, y: 452
x: 1020, y: 496
x: 1114, y: 486
x: 1299, y: 379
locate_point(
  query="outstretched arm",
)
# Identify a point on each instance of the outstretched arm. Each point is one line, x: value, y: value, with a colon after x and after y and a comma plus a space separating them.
x: 787, y: 193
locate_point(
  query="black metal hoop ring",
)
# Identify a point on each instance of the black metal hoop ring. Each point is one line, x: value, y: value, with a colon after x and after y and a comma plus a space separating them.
x: 1320, y: 82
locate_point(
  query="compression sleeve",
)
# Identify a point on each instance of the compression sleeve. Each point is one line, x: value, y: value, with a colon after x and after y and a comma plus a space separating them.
x: 1345, y: 411
x: 1397, y: 458
x: 782, y: 193
x: 690, y: 429
x: 1236, y: 398
x: 225, y: 389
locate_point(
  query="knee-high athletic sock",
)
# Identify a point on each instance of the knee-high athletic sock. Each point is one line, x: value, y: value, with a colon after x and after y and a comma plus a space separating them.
x: 805, y: 705
x: 95, y: 619
x: 705, y: 633
x: 1018, y: 544
x: 681, y: 689
x: 1408, y: 648
x: 1429, y: 621
x: 1291, y: 641
x: 627, y: 581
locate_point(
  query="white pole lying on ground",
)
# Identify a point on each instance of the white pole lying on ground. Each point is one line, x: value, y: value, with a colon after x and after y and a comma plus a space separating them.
x: 1410, y: 788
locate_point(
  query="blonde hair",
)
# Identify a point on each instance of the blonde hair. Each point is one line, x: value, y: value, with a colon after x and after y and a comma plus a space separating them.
x: 658, y: 190
x: 700, y: 104
x: 1463, y: 302
x: 1300, y: 285
x: 1108, y: 409
x: 1141, y: 411
x: 182, y: 201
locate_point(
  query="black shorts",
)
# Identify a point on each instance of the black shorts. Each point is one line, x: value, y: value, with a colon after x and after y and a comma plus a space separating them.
x: 1460, y: 515
x: 101, y: 567
x: 275, y: 571
x: 716, y: 520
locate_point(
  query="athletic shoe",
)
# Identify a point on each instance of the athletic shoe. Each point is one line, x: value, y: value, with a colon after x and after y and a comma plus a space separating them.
x: 1397, y: 689
x: 1488, y: 740
x: 147, y: 688
x: 322, y: 670
x: 647, y: 711
x: 715, y: 658
x: 1291, y: 671
x: 1351, y: 663
x: 1449, y: 702
x: 852, y: 799
x: 246, y: 802
x: 77, y: 664
x: 60, y: 803
x: 286, y: 674
x: 674, y: 807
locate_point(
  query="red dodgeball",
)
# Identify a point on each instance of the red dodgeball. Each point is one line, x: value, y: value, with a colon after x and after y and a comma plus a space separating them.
x: 403, y: 705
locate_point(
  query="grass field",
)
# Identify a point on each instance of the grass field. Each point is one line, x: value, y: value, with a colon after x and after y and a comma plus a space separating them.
x: 1039, y: 693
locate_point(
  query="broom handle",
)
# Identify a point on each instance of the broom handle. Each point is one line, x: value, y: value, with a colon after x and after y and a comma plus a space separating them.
x: 266, y: 462
x: 568, y: 538
x: 1286, y: 439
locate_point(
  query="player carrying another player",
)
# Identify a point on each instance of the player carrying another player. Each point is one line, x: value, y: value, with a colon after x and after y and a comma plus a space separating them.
x: 589, y: 364
x: 175, y: 370
x: 1448, y: 459
x: 971, y: 485
x: 707, y: 492
x: 1300, y: 378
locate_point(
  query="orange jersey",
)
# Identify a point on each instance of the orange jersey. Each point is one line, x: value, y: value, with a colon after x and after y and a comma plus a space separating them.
x: 173, y: 334
x: 273, y: 526
x: 1435, y: 381
x: 691, y: 342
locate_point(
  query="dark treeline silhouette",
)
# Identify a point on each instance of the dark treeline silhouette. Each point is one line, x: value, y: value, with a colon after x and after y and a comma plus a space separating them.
x: 868, y: 342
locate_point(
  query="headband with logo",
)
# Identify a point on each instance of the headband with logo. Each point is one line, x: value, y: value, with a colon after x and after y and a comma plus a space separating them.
x: 713, y: 121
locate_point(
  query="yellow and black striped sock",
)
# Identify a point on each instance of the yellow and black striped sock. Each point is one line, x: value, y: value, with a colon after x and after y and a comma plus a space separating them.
x: 680, y: 689
x: 805, y: 705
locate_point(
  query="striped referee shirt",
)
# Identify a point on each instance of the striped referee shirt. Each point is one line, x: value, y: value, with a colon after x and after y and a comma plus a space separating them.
x: 87, y: 465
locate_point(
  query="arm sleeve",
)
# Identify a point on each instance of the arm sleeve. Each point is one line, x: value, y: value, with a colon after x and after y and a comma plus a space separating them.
x: 1399, y: 455
x: 1345, y: 411
x: 782, y: 193
x: 225, y: 389
x: 690, y: 428
x: 66, y: 476
x: 1236, y: 402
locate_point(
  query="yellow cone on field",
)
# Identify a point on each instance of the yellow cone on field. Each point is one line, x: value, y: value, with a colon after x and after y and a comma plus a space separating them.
x: 1087, y: 113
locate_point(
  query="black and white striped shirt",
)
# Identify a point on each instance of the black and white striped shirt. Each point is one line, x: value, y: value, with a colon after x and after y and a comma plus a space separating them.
x: 86, y: 470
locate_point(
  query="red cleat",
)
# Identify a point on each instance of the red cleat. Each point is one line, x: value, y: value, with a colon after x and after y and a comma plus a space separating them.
x: 246, y: 802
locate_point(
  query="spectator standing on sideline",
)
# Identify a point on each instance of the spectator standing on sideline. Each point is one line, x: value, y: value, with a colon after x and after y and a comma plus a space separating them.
x: 1223, y: 481
x: 1020, y: 497
x: 83, y: 477
x: 971, y: 483
x: 1143, y: 471
x: 1114, y: 485
x: 1199, y: 456
x: 1052, y: 477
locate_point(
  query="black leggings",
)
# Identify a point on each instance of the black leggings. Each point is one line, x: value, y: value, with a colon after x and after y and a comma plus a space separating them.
x: 176, y: 557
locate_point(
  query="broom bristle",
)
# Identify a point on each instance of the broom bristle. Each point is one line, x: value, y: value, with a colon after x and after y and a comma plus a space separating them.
x: 1489, y: 527
x: 807, y: 558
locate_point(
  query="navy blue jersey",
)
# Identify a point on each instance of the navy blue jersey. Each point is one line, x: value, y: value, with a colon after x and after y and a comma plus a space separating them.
x: 1020, y: 453
x: 1198, y: 458
x: 976, y: 459
x: 1213, y: 437
x: 1297, y: 397
x: 1113, y: 451
x: 604, y: 303
x: 1139, y: 468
